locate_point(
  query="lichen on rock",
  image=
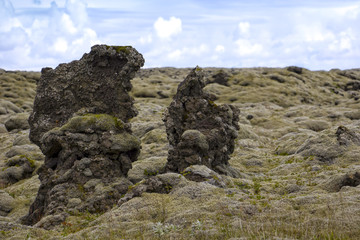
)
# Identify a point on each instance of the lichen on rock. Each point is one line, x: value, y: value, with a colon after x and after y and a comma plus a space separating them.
x: 199, y: 131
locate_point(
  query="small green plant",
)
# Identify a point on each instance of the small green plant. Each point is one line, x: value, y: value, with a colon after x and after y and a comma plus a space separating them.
x: 256, y: 187
x: 134, y: 186
x: 31, y: 161
x: 150, y: 173
x: 161, y: 229
x: 184, y: 173
x: 196, y: 226
x: 290, y: 160
x: 276, y: 185
x: 81, y: 188
x: 78, y: 222
x: 242, y: 185
x: 231, y: 194
x: 212, y: 103
x: 3, y: 233
x: 168, y: 188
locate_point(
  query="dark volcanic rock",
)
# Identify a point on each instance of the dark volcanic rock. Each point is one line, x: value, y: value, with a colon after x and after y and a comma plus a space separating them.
x: 351, y: 179
x: 199, y: 131
x: 221, y: 78
x: 79, y: 122
x: 347, y: 137
x: 97, y: 83
x: 295, y: 69
x: 353, y: 74
x: 86, y: 160
x: 328, y: 145
x: 162, y: 183
x: 352, y: 86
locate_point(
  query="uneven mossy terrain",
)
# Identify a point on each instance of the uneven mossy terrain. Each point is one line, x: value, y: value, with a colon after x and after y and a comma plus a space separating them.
x: 298, y: 181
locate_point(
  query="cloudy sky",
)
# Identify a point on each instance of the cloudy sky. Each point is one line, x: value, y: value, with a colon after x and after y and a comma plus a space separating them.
x: 318, y: 35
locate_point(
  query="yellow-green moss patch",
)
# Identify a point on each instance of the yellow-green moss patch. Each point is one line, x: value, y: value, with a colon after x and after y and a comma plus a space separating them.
x: 102, y: 122
x: 119, y: 49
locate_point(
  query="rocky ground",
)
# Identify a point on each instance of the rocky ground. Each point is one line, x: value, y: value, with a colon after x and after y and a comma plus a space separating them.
x: 298, y: 152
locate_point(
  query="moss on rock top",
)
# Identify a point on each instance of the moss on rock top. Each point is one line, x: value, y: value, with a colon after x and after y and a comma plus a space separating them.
x: 118, y: 49
x: 101, y: 122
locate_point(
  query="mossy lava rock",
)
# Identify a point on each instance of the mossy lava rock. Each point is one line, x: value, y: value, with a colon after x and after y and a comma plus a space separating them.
x: 79, y: 121
x: 199, y: 131
x: 97, y: 83
x: 87, y: 159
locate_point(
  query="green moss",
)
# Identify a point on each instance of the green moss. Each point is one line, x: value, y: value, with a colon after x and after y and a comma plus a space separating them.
x: 3, y: 233
x: 168, y: 188
x: 102, y: 122
x: 242, y: 185
x: 78, y: 222
x: 212, y: 103
x: 80, y: 188
x: 3, y: 169
x: 119, y: 49
x: 198, y: 69
x: 256, y: 187
x: 150, y: 173
x: 134, y: 186
x: 124, y: 142
x: 215, y: 178
x: 31, y: 161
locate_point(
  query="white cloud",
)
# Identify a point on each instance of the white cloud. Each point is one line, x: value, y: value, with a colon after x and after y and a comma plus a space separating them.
x: 200, y: 50
x: 67, y: 24
x: 246, y: 48
x: 167, y: 28
x: 344, y: 41
x: 244, y: 27
x: 82, y: 44
x: 60, y: 45
x: 314, y: 33
x: 60, y: 36
x: 175, y: 55
x: 7, y: 19
x: 146, y: 39
x: 9, y: 40
x: 348, y: 11
x: 219, y: 49
x: 78, y: 12
x: 187, y: 52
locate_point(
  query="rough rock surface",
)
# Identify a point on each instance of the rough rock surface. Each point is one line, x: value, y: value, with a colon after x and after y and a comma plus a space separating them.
x: 79, y: 122
x: 6, y: 203
x: 97, y: 83
x: 200, y: 173
x: 330, y: 144
x: 199, y: 131
x: 220, y: 77
x: 162, y: 183
x: 352, y: 179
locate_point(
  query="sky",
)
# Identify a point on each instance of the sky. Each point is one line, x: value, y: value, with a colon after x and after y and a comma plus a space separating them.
x: 317, y: 35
